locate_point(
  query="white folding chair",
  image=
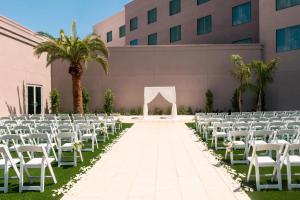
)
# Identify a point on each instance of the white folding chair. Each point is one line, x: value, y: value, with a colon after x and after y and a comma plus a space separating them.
x: 35, y: 162
x: 261, y: 161
x: 238, y: 140
x: 285, y: 136
x: 44, y: 140
x: 66, y: 141
x: 220, y: 131
x: 277, y: 126
x: 87, y: 132
x: 13, y: 141
x: 6, y: 163
x: 4, y: 130
x: 291, y: 160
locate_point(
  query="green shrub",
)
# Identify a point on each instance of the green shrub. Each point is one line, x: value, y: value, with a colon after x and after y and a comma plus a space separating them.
x: 108, y: 101
x: 85, y: 100
x: 55, y: 101
x: 190, y: 111
x: 133, y: 111
x: 182, y: 110
x: 158, y: 111
x: 169, y: 110
x: 235, y: 101
x: 209, y: 105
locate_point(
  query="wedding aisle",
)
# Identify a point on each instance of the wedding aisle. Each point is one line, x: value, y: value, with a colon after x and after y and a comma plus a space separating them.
x: 156, y: 160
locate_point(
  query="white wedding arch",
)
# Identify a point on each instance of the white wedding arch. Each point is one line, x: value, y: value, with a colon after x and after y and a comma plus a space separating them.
x: 169, y: 93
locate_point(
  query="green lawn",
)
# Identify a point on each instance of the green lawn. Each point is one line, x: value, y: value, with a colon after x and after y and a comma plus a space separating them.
x: 243, y: 169
x: 63, y: 175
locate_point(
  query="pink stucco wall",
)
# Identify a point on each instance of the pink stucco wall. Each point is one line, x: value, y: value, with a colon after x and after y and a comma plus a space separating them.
x: 19, y: 67
x: 192, y: 69
x: 111, y: 24
x: 284, y: 92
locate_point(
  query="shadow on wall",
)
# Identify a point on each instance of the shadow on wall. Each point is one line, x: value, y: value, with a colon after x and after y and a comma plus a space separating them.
x: 47, y: 108
x: 22, y: 105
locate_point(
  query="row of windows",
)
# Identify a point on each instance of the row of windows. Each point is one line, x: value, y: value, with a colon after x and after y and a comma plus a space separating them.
x: 241, y: 14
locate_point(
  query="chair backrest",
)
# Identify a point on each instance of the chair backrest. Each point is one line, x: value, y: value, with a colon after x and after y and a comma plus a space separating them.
x: 29, y: 123
x: 85, y: 128
x: 293, y: 147
x: 291, y: 132
x: 77, y: 122
x: 10, y: 123
x: 276, y: 125
x: 43, y: 136
x: 22, y: 130
x: 259, y: 125
x: 5, y: 152
x: 241, y: 126
x: 44, y: 129
x: 293, y: 125
x: 239, y: 134
x: 65, y: 128
x: 268, y: 147
x: 72, y: 136
x: 259, y: 133
x: 4, y: 130
x: 275, y: 119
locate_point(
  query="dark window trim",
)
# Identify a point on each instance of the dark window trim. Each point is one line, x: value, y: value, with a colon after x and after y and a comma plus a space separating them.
x: 137, y: 23
x: 121, y: 36
x: 170, y: 13
x: 108, y: 40
x: 249, y: 2
x: 180, y: 34
x: 152, y: 35
x: 202, y: 2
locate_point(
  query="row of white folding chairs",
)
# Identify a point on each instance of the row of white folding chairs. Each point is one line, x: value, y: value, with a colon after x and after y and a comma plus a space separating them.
x: 39, y: 160
x: 286, y: 155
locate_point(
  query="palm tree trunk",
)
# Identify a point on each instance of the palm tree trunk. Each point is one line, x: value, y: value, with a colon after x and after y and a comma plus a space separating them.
x: 240, y: 100
x: 259, y: 99
x: 77, y: 94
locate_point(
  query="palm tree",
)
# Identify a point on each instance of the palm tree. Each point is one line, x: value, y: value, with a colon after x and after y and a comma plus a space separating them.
x: 242, y: 73
x: 78, y: 52
x: 264, y: 75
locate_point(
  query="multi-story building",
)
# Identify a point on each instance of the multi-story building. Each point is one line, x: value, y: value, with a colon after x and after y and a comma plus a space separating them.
x: 166, y: 22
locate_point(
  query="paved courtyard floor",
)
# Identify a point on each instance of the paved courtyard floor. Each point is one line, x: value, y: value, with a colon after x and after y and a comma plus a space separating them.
x: 156, y: 160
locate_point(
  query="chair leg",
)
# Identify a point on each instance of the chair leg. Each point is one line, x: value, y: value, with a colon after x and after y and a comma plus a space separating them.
x: 249, y: 172
x: 279, y: 177
x: 21, y: 178
x: 75, y: 158
x: 59, y: 157
x: 6, y: 174
x: 42, y: 186
x: 289, y: 176
x: 257, y: 177
x: 231, y: 157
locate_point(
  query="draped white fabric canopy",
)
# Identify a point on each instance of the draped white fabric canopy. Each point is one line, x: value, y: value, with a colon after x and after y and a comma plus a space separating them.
x: 169, y: 93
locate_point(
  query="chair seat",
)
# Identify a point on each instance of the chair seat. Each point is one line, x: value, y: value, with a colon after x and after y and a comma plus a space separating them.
x: 294, y: 160
x: 88, y: 135
x: 36, y: 162
x: 46, y: 144
x: 67, y: 146
x: 281, y: 141
x: 220, y: 134
x: 238, y: 144
x: 259, y: 142
x: 264, y: 161
x: 2, y: 162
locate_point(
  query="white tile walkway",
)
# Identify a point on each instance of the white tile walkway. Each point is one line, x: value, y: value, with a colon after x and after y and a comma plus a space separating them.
x: 156, y: 161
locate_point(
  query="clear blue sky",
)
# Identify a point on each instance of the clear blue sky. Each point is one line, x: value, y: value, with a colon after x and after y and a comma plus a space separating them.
x: 52, y: 15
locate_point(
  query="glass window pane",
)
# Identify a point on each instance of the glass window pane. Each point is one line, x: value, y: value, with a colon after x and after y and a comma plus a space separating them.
x: 241, y: 14
x: 30, y: 99
x: 243, y: 41
x: 134, y: 42
x: 282, y: 4
x: 175, y: 34
x: 122, y: 31
x: 133, y: 24
x: 201, y: 1
x: 174, y: 7
x: 109, y: 36
x: 38, y: 100
x: 204, y: 25
x: 152, y: 16
x: 152, y: 39
x: 288, y: 39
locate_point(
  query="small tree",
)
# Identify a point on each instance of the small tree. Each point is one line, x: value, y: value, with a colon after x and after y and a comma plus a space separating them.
x: 85, y: 100
x: 242, y: 73
x: 108, y: 101
x: 55, y: 101
x: 264, y: 75
x: 209, y: 101
x: 235, y: 100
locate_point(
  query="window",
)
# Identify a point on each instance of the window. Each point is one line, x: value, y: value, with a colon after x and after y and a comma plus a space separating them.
x: 175, y: 34
x: 175, y: 7
x: 134, y: 42
x: 243, y: 41
x: 282, y: 4
x: 241, y: 14
x: 201, y: 1
x: 152, y: 39
x: 133, y: 24
x: 288, y: 39
x: 152, y: 16
x: 109, y: 36
x: 204, y: 25
x: 122, y: 31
